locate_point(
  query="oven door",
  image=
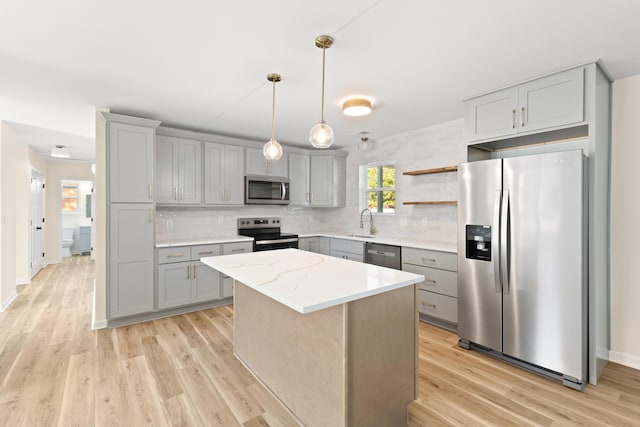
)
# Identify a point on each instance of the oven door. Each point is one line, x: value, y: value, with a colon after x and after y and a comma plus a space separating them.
x: 269, y: 245
x: 266, y: 190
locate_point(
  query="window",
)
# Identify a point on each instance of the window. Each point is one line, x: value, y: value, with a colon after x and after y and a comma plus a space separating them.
x: 378, y: 187
x: 70, y: 197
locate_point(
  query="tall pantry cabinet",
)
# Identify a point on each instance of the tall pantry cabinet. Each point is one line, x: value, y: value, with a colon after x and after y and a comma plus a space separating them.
x: 131, y: 210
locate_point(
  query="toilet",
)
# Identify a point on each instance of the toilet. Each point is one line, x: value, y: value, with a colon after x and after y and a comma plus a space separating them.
x: 67, y: 241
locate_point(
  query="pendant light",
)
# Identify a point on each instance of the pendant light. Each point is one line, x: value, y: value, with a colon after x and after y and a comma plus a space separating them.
x: 321, y: 135
x: 272, y: 150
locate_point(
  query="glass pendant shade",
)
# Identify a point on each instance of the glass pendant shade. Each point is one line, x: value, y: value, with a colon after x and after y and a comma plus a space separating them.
x: 321, y: 135
x: 272, y: 150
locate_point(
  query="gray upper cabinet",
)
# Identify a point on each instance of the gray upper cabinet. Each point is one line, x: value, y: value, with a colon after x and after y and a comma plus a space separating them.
x: 328, y: 180
x: 130, y: 163
x: 223, y: 174
x: 547, y: 103
x: 258, y: 165
x: 299, y: 179
x: 178, y: 170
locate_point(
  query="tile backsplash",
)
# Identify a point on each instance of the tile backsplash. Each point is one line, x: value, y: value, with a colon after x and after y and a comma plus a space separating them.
x: 430, y: 147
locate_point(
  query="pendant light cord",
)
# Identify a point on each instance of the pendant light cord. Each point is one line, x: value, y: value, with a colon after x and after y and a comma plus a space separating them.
x: 273, y: 112
x: 322, y: 106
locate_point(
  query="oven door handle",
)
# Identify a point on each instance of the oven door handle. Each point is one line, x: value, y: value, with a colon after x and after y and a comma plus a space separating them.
x: 269, y: 242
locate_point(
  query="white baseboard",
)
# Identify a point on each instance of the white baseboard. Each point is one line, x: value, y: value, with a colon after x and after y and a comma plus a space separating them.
x: 98, y: 324
x: 8, y: 302
x: 20, y: 282
x: 629, y: 360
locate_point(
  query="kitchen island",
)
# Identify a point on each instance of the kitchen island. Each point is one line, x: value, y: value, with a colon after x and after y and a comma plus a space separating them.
x: 334, y: 340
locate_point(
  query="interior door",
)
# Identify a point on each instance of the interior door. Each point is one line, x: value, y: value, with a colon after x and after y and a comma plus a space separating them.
x: 543, y: 299
x: 37, y: 223
x: 479, y: 292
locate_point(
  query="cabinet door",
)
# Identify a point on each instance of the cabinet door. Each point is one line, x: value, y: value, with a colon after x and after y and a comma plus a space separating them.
x: 552, y: 101
x: 131, y: 163
x: 205, y: 283
x: 234, y: 175
x: 227, y: 286
x: 299, y: 179
x: 279, y: 167
x: 321, y: 178
x: 166, y: 169
x: 131, y: 266
x: 174, y: 284
x: 190, y: 172
x: 213, y: 173
x: 492, y: 115
x: 255, y: 162
x: 305, y: 243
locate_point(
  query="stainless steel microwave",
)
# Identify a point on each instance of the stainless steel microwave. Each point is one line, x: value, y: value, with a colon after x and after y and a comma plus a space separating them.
x: 266, y: 190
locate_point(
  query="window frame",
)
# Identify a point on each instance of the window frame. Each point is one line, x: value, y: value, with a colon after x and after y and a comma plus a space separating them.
x: 70, y: 185
x: 364, y: 190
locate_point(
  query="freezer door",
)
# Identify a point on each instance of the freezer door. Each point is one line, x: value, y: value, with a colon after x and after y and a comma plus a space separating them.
x: 479, y: 289
x: 544, y: 296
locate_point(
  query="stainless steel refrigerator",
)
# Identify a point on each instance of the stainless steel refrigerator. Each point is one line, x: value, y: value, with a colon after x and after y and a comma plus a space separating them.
x: 522, y: 265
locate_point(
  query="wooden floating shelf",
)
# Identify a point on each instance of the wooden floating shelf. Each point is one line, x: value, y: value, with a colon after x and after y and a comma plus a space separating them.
x: 428, y: 171
x: 443, y: 202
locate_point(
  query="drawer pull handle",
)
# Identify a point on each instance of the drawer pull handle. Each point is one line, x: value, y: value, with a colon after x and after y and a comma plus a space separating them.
x: 428, y: 259
x: 175, y: 255
x: 206, y: 253
x: 237, y: 250
x: 426, y: 304
x: 430, y: 281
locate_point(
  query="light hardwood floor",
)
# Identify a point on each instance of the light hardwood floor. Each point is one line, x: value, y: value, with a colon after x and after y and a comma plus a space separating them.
x: 181, y: 371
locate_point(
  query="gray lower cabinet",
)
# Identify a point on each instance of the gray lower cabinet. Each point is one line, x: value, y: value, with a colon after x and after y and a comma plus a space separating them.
x: 131, y: 241
x: 437, y: 299
x: 184, y: 280
x: 317, y: 244
x: 347, y: 249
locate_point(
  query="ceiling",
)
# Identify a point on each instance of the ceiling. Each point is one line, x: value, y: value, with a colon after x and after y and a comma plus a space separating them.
x: 202, y: 65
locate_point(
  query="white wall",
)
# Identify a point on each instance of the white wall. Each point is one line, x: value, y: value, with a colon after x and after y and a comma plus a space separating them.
x: 425, y: 148
x: 8, y: 149
x: 22, y: 206
x: 625, y: 232
x: 100, y: 224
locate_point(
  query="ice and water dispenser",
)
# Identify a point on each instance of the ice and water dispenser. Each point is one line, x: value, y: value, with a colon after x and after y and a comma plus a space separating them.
x: 479, y: 242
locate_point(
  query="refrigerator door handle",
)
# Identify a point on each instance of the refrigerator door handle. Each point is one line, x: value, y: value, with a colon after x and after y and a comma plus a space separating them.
x: 495, y: 241
x: 504, y: 241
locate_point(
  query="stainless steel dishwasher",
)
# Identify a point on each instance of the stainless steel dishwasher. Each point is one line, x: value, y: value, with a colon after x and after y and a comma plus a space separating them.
x: 382, y: 255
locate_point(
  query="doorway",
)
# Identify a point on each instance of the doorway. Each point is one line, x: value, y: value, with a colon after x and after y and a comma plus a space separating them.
x: 76, y: 212
x: 36, y: 224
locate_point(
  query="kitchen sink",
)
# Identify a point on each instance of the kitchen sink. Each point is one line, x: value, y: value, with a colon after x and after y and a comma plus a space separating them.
x: 364, y: 236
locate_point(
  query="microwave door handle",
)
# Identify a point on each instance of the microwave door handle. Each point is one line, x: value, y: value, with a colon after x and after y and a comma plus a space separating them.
x: 284, y: 191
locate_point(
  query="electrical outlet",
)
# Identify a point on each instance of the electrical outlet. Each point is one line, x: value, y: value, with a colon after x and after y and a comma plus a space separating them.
x: 169, y: 223
x: 403, y: 222
x: 220, y: 219
x: 425, y: 221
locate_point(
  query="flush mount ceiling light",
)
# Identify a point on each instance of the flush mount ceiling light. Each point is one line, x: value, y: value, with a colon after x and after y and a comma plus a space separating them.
x: 61, y: 152
x: 321, y: 135
x: 356, y: 107
x: 272, y: 150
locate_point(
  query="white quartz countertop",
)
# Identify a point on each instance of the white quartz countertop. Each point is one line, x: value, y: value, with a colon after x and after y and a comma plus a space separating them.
x: 433, y: 245
x: 204, y: 241
x: 306, y: 281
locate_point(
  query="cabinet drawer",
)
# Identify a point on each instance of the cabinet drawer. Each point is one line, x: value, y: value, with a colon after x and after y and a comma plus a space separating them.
x: 201, y: 251
x: 178, y: 254
x: 436, y: 305
x: 439, y: 281
x: 427, y: 258
x: 236, y: 248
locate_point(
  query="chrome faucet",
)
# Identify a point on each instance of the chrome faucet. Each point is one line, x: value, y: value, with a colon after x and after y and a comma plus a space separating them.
x: 372, y: 224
